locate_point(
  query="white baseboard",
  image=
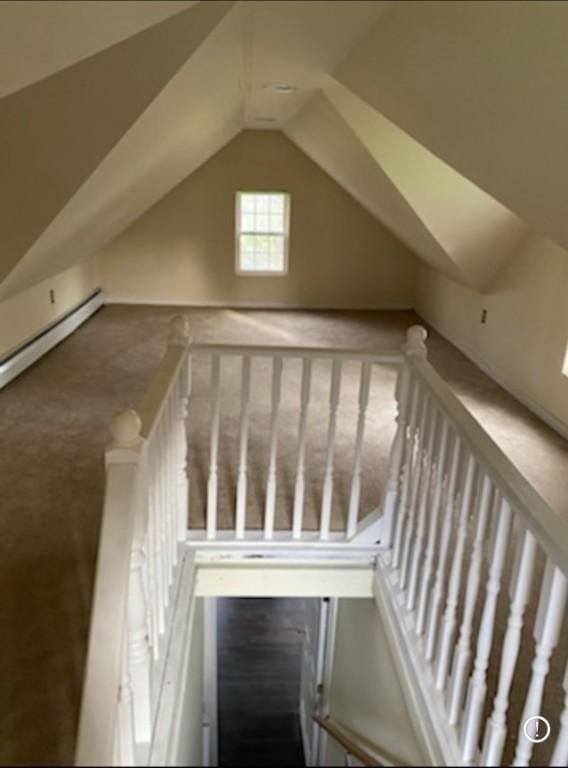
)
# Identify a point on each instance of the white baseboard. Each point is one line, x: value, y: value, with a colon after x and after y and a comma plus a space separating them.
x: 32, y: 351
x: 261, y: 305
x: 501, y: 378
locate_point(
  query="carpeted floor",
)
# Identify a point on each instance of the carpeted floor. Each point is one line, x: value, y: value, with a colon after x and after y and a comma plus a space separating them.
x: 53, y: 430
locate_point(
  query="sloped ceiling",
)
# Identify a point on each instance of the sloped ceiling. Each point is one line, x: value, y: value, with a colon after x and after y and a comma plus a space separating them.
x: 443, y: 119
x: 482, y: 86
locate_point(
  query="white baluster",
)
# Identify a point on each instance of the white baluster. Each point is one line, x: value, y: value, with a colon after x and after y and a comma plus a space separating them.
x: 432, y: 519
x: 164, y: 505
x: 152, y: 563
x: 419, y: 481
x: 300, y: 468
x: 180, y: 338
x: 171, y: 483
x: 463, y: 651
x: 560, y: 754
x: 155, y: 538
x: 519, y: 591
x: 448, y: 514
x: 391, y: 497
x: 328, y: 476
x: 138, y: 650
x: 364, y: 387
x: 478, y: 681
x: 406, y: 479
x: 214, y: 449
x: 243, y: 445
x: 546, y: 630
x: 125, y: 724
x: 425, y: 499
x: 173, y: 442
x: 270, y: 505
x: 449, y: 620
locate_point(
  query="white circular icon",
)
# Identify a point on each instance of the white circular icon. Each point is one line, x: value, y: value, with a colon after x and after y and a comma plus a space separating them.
x: 536, y: 729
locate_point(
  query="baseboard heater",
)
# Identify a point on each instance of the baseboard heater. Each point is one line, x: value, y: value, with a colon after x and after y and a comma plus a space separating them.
x: 21, y: 358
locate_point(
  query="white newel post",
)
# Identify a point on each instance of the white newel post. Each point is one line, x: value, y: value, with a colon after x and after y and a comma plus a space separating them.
x: 128, y: 448
x: 414, y: 346
x: 179, y: 338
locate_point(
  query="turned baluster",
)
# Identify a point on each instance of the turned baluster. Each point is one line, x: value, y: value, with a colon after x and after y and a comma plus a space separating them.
x: 391, y: 498
x: 560, y: 754
x: 448, y: 514
x: 462, y: 651
x: 406, y: 476
x: 546, y: 630
x: 364, y: 388
x: 420, y: 476
x: 243, y: 446
x: 154, y: 544
x: 180, y: 338
x: 302, y: 431
x: 425, y: 499
x: 125, y: 725
x: 478, y: 681
x: 432, y: 519
x: 519, y: 591
x: 164, y: 505
x: 449, y: 618
x: 171, y: 498
x: 138, y: 648
x: 172, y: 443
x: 270, y: 506
x: 214, y: 448
x: 152, y: 561
x: 327, y: 497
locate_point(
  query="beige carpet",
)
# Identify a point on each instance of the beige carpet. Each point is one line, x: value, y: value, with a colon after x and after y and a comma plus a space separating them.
x: 53, y: 429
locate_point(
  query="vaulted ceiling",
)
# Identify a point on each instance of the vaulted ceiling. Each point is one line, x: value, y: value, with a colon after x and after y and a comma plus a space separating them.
x: 446, y: 120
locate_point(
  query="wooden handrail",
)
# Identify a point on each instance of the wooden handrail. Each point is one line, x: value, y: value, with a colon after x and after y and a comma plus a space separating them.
x: 349, y: 740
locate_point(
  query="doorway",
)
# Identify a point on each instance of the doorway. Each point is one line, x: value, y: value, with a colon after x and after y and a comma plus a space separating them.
x: 260, y: 646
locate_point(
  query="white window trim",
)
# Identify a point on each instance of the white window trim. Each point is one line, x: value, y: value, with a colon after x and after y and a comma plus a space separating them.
x: 255, y: 272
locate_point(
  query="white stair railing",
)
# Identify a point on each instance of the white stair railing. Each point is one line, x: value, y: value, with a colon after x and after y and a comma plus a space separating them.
x: 457, y: 514
x: 219, y: 357
x: 144, y: 522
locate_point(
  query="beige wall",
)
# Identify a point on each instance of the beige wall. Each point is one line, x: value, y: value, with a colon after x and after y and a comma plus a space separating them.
x: 190, y: 732
x: 24, y: 315
x: 366, y: 693
x: 523, y: 342
x: 182, y: 249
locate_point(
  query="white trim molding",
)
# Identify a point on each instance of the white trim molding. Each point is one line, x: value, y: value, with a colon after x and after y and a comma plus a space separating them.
x: 45, y: 340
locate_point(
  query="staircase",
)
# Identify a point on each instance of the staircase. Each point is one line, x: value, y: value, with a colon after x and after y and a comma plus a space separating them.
x: 465, y: 564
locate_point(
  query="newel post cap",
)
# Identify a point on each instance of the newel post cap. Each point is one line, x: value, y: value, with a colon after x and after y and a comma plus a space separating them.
x: 179, y: 332
x: 415, y: 345
x: 125, y: 429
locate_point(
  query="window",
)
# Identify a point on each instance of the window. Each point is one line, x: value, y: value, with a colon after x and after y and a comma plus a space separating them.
x: 565, y: 364
x: 262, y: 222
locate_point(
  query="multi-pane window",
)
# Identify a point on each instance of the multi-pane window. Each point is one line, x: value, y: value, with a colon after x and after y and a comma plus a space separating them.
x: 262, y: 220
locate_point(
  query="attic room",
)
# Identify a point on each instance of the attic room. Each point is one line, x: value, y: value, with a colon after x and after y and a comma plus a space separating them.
x: 304, y: 266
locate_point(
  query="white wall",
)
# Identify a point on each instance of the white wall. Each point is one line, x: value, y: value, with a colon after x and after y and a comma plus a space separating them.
x: 27, y: 313
x: 190, y: 737
x: 366, y: 693
x: 523, y: 343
